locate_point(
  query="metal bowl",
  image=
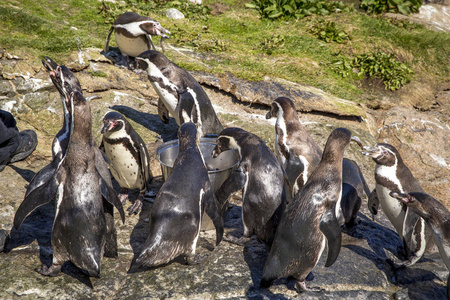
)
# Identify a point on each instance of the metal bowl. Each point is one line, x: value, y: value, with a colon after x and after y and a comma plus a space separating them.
x: 219, y: 168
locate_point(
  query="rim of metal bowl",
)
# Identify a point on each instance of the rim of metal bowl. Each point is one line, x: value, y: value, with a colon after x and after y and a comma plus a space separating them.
x: 174, y: 143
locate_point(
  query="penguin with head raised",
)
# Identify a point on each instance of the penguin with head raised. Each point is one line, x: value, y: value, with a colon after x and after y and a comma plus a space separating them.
x: 260, y: 177
x: 176, y: 214
x: 133, y: 34
x: 83, y: 229
x: 178, y: 91
x: 127, y: 156
x: 299, y: 155
x: 392, y: 175
x: 309, y: 221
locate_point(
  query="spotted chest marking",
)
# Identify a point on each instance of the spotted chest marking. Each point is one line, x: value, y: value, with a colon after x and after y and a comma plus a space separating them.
x: 131, y: 46
x: 126, y: 168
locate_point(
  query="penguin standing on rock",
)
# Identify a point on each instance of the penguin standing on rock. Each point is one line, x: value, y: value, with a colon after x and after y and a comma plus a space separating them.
x: 260, y: 177
x: 128, y: 157
x: 299, y: 155
x: 309, y: 221
x: 178, y: 91
x: 82, y: 230
x: 133, y: 34
x: 437, y: 218
x: 392, y: 175
x: 176, y: 213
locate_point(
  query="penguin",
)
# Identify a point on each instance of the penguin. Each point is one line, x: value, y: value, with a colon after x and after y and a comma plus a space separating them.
x: 178, y: 91
x: 392, y: 175
x: 299, y: 155
x: 180, y: 203
x: 309, y: 221
x: 83, y: 229
x: 128, y: 157
x: 133, y: 34
x: 260, y: 177
x: 437, y: 218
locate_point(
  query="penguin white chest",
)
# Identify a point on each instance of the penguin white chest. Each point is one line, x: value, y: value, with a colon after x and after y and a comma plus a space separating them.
x: 126, y: 169
x: 169, y: 100
x: 392, y: 208
x: 131, y: 46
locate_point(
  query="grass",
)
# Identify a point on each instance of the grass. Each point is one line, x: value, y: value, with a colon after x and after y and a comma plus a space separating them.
x: 237, y: 42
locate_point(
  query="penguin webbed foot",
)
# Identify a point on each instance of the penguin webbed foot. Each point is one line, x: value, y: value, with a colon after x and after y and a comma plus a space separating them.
x: 136, y: 207
x: 195, y: 259
x: 237, y: 241
x: 52, y: 271
x: 301, y: 287
x: 123, y: 196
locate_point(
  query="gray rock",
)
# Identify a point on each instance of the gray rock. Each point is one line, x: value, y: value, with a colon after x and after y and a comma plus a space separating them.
x: 173, y: 13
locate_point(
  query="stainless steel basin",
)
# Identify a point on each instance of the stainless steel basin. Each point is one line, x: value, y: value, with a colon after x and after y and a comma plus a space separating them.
x: 219, y: 168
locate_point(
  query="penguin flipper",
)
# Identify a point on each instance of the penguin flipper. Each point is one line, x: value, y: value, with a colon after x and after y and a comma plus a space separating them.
x: 42, y: 189
x: 373, y: 202
x: 294, y: 168
x: 163, y: 112
x: 235, y: 182
x: 329, y: 226
x: 111, y: 233
x: 110, y: 195
x: 106, y: 48
x: 212, y: 210
x: 145, y: 163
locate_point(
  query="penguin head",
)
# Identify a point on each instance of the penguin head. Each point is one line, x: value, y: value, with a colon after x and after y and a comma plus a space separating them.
x: 49, y: 64
x: 187, y: 135
x: 151, y: 61
x: 112, y: 122
x: 419, y: 202
x: 282, y: 106
x: 337, y: 141
x: 383, y: 154
x: 227, y: 141
x: 65, y: 81
x: 153, y: 27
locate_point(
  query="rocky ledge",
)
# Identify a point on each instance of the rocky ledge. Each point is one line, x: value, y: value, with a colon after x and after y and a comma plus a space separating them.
x: 228, y: 271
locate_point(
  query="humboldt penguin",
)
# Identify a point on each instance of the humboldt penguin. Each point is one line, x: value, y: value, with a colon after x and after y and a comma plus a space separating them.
x: 299, y: 155
x: 176, y: 213
x: 83, y: 229
x: 309, y: 221
x: 133, y: 34
x: 437, y: 218
x: 128, y: 157
x: 260, y: 177
x: 178, y: 91
x: 392, y: 175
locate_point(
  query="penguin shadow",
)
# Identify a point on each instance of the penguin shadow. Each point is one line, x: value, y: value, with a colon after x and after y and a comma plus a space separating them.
x: 152, y: 122
x: 381, y: 239
x: 37, y: 226
x: 255, y: 253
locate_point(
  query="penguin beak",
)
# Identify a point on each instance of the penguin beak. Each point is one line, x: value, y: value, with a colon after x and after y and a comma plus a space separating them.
x: 215, y: 152
x: 107, y: 126
x: 269, y: 114
x: 401, y: 197
x: 162, y: 31
x: 357, y: 140
x: 373, y: 152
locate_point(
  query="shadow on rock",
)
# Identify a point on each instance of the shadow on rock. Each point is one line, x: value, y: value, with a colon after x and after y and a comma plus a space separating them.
x: 150, y: 121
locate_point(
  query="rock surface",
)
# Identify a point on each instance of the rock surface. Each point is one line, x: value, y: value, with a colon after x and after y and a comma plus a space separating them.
x: 228, y: 271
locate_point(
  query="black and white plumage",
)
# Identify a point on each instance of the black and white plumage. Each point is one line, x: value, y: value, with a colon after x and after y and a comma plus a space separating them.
x: 309, y: 221
x: 260, y: 177
x: 83, y: 229
x: 133, y: 34
x: 437, y: 218
x: 299, y: 155
x: 392, y: 175
x: 178, y: 208
x: 127, y: 156
x: 178, y: 91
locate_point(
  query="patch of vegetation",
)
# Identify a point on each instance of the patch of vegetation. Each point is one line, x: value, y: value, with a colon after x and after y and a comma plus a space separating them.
x: 392, y: 6
x: 329, y: 32
x: 272, y: 43
x: 98, y: 73
x: 386, y: 67
x: 274, y: 9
